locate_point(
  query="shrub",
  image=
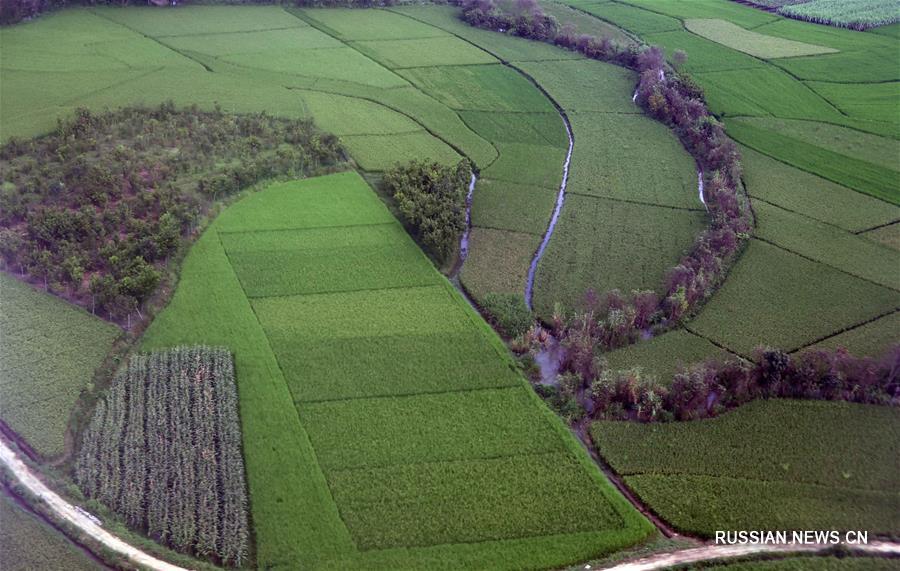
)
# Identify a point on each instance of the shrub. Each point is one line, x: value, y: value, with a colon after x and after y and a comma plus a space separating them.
x: 432, y: 199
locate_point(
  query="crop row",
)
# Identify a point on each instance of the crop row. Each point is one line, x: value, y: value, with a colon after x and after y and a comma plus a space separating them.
x: 163, y: 450
x: 780, y: 464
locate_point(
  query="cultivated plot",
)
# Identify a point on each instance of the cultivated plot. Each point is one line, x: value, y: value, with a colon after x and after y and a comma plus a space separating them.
x: 375, y: 387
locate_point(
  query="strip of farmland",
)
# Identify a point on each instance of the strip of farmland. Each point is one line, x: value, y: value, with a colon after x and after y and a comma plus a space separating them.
x: 384, y: 426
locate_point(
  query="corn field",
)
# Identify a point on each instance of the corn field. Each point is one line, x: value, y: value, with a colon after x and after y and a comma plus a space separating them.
x: 163, y: 451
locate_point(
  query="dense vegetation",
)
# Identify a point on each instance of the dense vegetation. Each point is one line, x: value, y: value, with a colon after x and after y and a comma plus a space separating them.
x: 432, y: 199
x: 27, y: 543
x: 163, y: 451
x: 853, y: 14
x: 95, y: 209
x: 397, y: 433
x: 49, y: 351
x: 745, y: 470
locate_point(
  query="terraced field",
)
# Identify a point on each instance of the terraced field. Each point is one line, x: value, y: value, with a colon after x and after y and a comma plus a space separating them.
x: 384, y: 426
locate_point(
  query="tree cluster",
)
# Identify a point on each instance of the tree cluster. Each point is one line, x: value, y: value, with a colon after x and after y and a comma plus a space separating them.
x: 711, y: 388
x: 94, y: 210
x: 432, y: 199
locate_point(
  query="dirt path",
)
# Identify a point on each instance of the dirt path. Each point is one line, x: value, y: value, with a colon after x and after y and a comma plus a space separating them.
x: 711, y: 552
x: 66, y: 511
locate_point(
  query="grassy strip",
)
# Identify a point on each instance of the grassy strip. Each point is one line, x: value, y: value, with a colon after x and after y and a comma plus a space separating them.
x: 751, y: 42
x: 661, y: 357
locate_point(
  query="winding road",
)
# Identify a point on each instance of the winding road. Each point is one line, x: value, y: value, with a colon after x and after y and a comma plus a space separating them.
x: 65, y: 511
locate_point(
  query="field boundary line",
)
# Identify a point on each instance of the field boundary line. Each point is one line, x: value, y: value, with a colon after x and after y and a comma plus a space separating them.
x: 807, y: 216
x: 71, y: 514
x: 687, y: 327
x: 760, y: 480
x: 826, y: 264
x: 637, y: 202
x: 307, y: 228
x: 152, y: 39
x: 847, y: 329
x: 204, y: 34
x: 337, y: 291
x: 885, y: 225
x: 513, y: 385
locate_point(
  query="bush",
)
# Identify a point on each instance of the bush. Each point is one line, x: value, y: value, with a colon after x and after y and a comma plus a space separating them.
x: 432, y: 199
x: 110, y: 203
x: 508, y: 313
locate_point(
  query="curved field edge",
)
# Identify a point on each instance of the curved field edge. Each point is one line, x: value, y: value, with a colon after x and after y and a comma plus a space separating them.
x: 295, y: 517
x: 745, y: 470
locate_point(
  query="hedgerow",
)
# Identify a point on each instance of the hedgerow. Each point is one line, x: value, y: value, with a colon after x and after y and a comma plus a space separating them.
x: 163, y: 451
x: 95, y: 210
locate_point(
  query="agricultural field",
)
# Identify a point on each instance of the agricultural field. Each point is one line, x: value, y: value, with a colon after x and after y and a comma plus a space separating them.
x: 743, y: 470
x: 163, y: 451
x: 342, y: 427
x: 804, y: 563
x: 49, y: 351
x: 28, y: 543
x: 358, y: 411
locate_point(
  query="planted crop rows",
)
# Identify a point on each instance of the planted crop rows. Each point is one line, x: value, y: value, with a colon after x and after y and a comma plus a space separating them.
x: 371, y: 387
x: 163, y: 451
x: 744, y: 470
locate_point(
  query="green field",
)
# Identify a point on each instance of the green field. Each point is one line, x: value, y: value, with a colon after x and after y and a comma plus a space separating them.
x: 776, y: 298
x: 49, y: 351
x: 609, y: 244
x: 28, y: 543
x: 750, y: 42
x: 663, y: 356
x: 743, y: 470
x: 376, y: 387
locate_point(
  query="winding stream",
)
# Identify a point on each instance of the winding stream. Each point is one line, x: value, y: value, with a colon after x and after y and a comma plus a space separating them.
x: 560, y: 199
x: 464, y: 239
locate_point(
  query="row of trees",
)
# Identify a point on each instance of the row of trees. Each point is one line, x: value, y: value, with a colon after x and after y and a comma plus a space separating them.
x: 163, y: 450
x: 708, y: 389
x: 432, y: 199
x: 611, y: 320
x: 95, y: 210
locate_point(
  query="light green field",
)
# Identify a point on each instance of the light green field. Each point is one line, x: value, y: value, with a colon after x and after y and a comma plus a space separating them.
x: 512, y: 206
x: 750, y: 42
x: 316, y: 359
x: 498, y: 261
x: 743, y: 470
x: 586, y: 85
x: 442, y: 50
x: 49, y: 350
x: 829, y: 245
